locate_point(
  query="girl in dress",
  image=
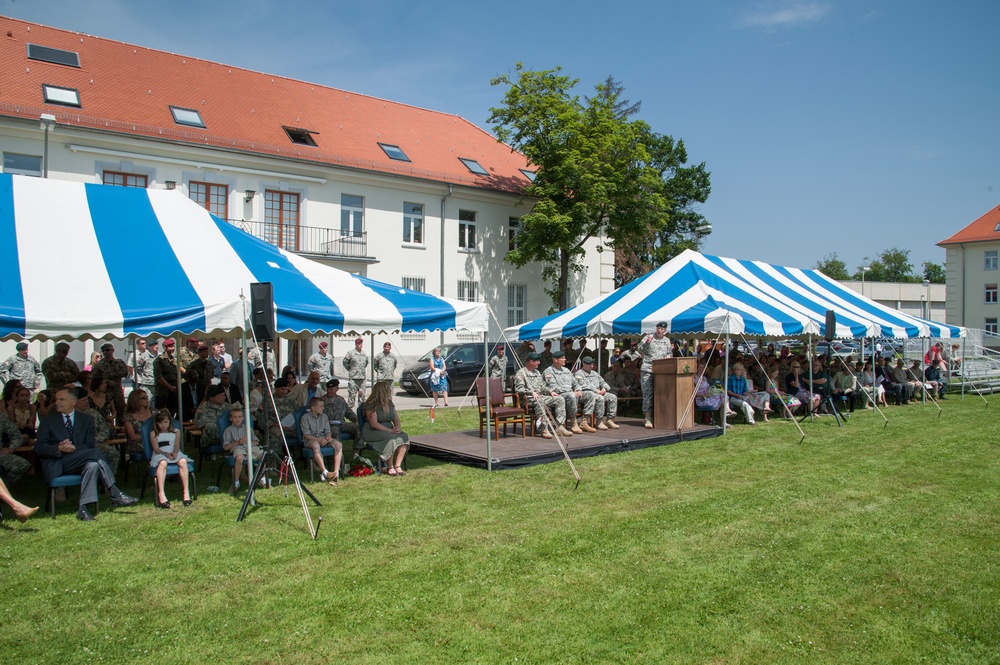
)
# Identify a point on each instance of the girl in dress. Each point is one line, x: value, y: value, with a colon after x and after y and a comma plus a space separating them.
x: 167, y: 450
x: 439, y: 377
x: 22, y: 413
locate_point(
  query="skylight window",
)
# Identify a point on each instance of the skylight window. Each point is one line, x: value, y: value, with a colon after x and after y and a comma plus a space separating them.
x: 189, y: 117
x: 53, y: 55
x: 394, y: 152
x: 300, y: 136
x: 530, y: 175
x: 53, y: 94
x: 997, y: 228
x: 473, y: 166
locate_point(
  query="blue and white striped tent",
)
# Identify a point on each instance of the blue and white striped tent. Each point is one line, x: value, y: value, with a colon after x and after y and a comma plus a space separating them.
x: 85, y: 261
x: 698, y: 294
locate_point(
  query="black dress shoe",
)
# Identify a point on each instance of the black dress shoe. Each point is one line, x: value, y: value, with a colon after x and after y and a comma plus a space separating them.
x: 84, y: 516
x: 124, y: 500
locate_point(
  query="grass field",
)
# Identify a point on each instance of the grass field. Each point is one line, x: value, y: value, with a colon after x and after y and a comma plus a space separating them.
x: 862, y: 545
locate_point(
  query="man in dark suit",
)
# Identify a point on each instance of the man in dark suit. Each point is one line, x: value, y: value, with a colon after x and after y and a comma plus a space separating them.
x: 232, y: 391
x: 192, y: 393
x: 66, y: 445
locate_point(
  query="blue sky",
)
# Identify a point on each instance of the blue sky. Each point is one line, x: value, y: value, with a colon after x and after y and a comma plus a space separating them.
x: 846, y: 126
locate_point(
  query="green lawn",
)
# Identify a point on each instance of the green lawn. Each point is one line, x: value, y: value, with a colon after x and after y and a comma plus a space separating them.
x: 862, y: 544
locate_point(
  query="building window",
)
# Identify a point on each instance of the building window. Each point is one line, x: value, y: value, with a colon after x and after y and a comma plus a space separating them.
x: 990, y: 260
x: 517, y: 308
x: 473, y: 166
x: 468, y: 291
x: 415, y: 283
x: 22, y: 164
x: 281, y: 219
x: 990, y: 326
x: 352, y: 215
x: 53, y: 94
x: 530, y: 175
x: 214, y: 198
x: 467, y: 230
x: 188, y: 117
x: 54, y: 55
x: 991, y: 294
x: 394, y: 152
x: 300, y: 136
x: 125, y: 179
x: 413, y: 223
x: 513, y: 227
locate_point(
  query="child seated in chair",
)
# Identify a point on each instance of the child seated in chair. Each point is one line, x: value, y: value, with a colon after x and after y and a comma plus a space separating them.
x: 166, y: 446
x: 316, y: 434
x: 234, y: 442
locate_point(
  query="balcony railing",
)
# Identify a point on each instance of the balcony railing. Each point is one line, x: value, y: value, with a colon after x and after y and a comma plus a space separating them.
x: 307, y: 239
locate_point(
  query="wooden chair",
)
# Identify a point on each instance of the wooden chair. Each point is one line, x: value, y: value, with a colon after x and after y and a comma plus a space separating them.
x: 498, y: 412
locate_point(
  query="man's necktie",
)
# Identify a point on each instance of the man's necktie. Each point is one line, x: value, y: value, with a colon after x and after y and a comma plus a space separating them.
x: 69, y: 426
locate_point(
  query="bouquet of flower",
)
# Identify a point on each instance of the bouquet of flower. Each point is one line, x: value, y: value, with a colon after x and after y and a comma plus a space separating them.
x: 359, y: 470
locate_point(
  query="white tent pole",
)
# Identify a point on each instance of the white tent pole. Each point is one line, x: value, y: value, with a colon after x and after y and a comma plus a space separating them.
x: 489, y: 406
x: 725, y: 379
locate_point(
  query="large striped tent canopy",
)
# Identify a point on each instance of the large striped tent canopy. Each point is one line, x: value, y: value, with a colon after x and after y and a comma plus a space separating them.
x: 698, y: 294
x: 85, y: 261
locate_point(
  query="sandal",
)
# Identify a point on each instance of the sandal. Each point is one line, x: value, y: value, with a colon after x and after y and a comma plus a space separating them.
x: 186, y: 502
x: 391, y: 471
x: 399, y: 471
x: 164, y: 505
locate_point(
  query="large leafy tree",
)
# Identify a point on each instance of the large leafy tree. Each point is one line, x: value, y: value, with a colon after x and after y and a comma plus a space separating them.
x: 892, y: 265
x: 599, y: 174
x: 934, y: 272
x: 833, y: 267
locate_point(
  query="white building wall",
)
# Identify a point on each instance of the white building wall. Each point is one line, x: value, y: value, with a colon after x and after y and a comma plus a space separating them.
x: 82, y: 155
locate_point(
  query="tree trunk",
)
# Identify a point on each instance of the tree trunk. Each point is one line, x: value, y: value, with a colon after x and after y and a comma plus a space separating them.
x: 563, y: 280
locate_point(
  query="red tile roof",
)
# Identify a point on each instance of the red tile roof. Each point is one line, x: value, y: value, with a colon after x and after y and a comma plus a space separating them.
x: 128, y: 89
x: 983, y: 229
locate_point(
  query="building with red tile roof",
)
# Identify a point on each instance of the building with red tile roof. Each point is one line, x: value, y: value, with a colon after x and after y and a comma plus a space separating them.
x: 398, y: 193
x: 973, y: 276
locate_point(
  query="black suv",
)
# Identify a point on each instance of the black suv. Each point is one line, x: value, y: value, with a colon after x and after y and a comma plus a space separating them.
x: 464, y: 361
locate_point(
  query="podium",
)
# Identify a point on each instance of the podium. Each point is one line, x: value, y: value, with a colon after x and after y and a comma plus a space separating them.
x: 673, y: 388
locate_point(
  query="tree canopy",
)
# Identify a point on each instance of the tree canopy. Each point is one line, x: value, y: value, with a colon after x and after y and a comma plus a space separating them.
x: 893, y: 265
x: 833, y: 267
x: 599, y: 174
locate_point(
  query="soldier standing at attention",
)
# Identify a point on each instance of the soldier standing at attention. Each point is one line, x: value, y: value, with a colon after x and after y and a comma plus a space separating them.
x: 385, y: 364
x: 653, y: 347
x: 113, y: 370
x: 60, y: 369
x: 321, y: 362
x: 356, y: 362
x: 24, y: 367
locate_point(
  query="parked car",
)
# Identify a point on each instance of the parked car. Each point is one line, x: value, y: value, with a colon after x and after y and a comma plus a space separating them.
x: 464, y: 361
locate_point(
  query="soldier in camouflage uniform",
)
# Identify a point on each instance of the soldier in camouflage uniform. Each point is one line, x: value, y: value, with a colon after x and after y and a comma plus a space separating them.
x: 254, y: 359
x: 653, y: 347
x: 113, y: 370
x: 321, y: 362
x: 186, y: 355
x: 287, y: 405
x: 24, y: 367
x: 203, y: 366
x: 598, y: 398
x: 356, y: 362
x: 385, y: 364
x: 206, y: 417
x: 561, y: 382
x: 14, y: 466
x: 498, y: 366
x: 342, y: 418
x: 142, y: 370
x: 165, y: 378
x: 60, y: 369
x: 530, y: 386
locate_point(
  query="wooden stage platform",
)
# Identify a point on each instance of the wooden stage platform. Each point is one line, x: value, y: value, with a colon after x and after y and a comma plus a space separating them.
x: 512, y: 451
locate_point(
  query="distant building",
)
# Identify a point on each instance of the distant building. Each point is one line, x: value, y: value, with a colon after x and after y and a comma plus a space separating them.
x: 973, y: 275
x: 909, y: 297
x: 397, y: 193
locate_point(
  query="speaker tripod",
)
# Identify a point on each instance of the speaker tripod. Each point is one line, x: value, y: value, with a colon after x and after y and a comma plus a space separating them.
x: 266, y: 460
